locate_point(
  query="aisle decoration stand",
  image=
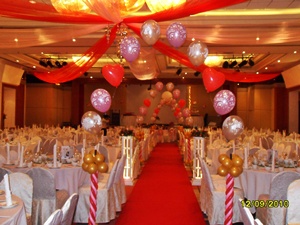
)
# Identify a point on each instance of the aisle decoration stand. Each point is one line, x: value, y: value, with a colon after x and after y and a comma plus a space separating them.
x: 127, y: 149
x: 198, y: 151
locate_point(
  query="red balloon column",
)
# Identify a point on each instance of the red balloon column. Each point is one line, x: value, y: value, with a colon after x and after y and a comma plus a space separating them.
x: 93, y: 198
x: 229, y: 199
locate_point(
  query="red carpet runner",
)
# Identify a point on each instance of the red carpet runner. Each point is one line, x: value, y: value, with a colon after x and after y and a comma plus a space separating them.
x: 163, y: 194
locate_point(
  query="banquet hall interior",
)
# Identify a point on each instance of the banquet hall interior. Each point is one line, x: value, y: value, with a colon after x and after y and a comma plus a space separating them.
x: 205, y: 88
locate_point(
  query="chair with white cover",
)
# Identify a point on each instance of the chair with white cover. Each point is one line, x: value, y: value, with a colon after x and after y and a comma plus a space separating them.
x: 68, y: 209
x: 103, y: 150
x: 212, y: 198
x: 55, y: 218
x: 46, y: 199
x: 278, y: 192
x: 4, y: 171
x: 293, y: 193
x: 22, y: 186
x: 119, y: 185
x: 106, y: 209
x: 247, y: 217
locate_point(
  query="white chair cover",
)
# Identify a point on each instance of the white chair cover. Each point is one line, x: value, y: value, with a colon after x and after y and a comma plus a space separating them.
x: 45, y: 197
x: 55, y: 218
x: 247, y: 217
x: 212, y: 198
x: 22, y: 186
x: 278, y: 191
x: 68, y: 209
x: 106, y: 209
x: 136, y: 165
x: 119, y: 185
x: 293, y: 193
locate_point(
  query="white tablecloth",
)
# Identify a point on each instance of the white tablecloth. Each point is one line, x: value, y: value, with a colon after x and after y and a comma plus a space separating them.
x: 16, y: 215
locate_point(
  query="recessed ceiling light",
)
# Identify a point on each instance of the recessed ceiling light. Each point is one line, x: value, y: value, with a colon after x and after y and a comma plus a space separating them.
x: 32, y: 1
x: 257, y: 72
x: 16, y: 39
x: 17, y: 60
x: 244, y: 52
x: 266, y: 68
x: 33, y: 67
x: 193, y: 39
x: 74, y: 40
x: 278, y: 60
x: 257, y: 38
x: 295, y: 52
x: 91, y: 77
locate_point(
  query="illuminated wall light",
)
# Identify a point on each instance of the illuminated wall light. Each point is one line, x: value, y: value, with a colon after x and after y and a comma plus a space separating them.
x: 189, y: 97
x: 17, y: 60
x: 257, y: 38
x: 57, y: 84
x: 266, y: 68
x: 182, y: 78
x: 32, y: 2
x: 278, y: 60
x: 16, y: 39
x: 91, y: 77
x: 295, y: 52
x: 243, y: 52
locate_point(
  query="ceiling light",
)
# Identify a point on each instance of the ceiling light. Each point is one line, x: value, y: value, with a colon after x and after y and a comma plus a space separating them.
x: 49, y: 63
x: 64, y: 63
x: 158, y: 5
x: 225, y: 64
x: 197, y: 73
x: 57, y: 63
x: 251, y: 62
x: 43, y: 63
x: 178, y: 72
x: 243, y: 63
x: 233, y: 64
x: 69, y: 7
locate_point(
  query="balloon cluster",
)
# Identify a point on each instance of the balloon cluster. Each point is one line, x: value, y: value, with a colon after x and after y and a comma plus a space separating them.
x: 232, y: 166
x: 93, y: 162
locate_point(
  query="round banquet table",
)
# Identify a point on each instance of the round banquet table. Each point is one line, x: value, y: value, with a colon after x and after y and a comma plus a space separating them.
x: 14, y: 215
x: 67, y: 177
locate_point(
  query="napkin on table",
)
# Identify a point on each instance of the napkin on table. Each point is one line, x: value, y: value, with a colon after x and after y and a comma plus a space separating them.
x: 7, y: 191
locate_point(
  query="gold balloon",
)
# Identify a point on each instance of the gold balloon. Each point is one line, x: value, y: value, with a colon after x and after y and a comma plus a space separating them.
x: 222, y: 157
x: 92, y: 168
x: 222, y: 171
x: 227, y: 163
x: 93, y: 152
x: 88, y: 158
x: 237, y: 161
x: 235, y: 171
x: 99, y: 158
x: 102, y: 167
x: 85, y: 166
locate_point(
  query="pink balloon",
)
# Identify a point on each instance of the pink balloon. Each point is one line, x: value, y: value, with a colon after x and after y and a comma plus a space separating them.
x: 189, y: 121
x: 143, y: 110
x: 224, y: 102
x: 139, y: 119
x: 130, y: 48
x: 159, y: 86
x: 170, y: 86
x: 153, y: 93
x: 176, y: 93
x: 232, y: 127
x: 176, y: 34
x: 101, y: 100
x: 186, y: 112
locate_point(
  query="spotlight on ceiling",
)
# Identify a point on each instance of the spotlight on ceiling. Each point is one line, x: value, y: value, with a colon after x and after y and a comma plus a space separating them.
x: 197, y: 73
x: 57, y: 63
x: 43, y: 63
x: 49, y: 63
x: 243, y: 63
x: 149, y: 88
x: 225, y: 64
x: 178, y: 72
x: 251, y: 62
x: 64, y: 63
x: 233, y: 64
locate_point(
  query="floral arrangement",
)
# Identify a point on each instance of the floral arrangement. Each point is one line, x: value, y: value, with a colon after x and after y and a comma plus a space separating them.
x: 199, y: 133
x: 126, y: 132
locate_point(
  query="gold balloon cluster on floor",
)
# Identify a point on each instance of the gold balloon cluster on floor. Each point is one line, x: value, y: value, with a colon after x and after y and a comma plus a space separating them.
x: 93, y: 162
x: 233, y: 166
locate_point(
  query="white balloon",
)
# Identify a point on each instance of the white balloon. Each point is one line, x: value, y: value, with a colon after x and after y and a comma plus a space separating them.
x: 197, y: 52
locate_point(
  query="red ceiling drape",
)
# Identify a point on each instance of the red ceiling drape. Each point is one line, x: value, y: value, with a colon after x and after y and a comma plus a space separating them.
x: 20, y: 9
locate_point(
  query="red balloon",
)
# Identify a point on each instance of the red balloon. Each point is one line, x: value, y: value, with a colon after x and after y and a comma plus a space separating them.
x: 113, y: 74
x: 181, y: 103
x: 147, y: 102
x: 156, y: 110
x: 212, y: 79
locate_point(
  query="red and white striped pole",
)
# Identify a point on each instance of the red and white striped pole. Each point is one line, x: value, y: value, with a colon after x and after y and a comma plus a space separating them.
x: 93, y: 198
x: 229, y: 199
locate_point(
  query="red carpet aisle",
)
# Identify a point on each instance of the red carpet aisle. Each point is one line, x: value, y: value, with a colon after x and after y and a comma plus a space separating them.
x: 163, y: 193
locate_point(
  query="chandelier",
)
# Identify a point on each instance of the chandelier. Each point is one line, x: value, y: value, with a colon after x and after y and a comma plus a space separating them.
x: 70, y: 6
x: 160, y: 5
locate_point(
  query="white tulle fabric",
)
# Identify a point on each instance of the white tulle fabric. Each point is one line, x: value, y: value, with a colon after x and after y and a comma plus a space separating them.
x: 45, y: 197
x: 212, y: 198
x: 68, y: 209
x: 55, y: 218
x: 293, y: 193
x: 106, y: 209
x: 278, y: 191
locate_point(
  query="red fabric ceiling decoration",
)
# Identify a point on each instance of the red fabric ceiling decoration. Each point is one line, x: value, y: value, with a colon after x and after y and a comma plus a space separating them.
x: 20, y: 9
